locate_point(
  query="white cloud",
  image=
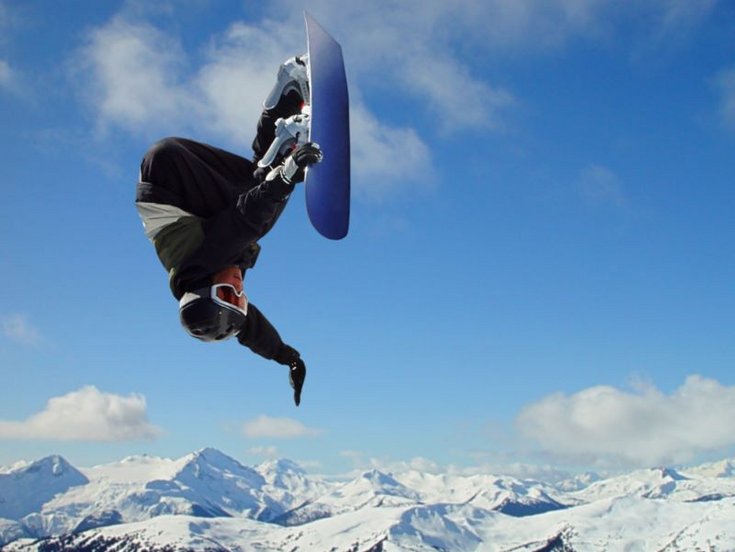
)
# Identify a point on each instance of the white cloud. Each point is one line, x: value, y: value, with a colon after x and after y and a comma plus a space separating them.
x: 86, y: 415
x: 456, y: 99
x: 417, y: 463
x: 641, y: 427
x: 278, y: 428
x: 725, y: 83
x: 354, y: 455
x: 387, y: 159
x: 8, y: 19
x: 418, y: 55
x: 140, y: 78
x: 545, y: 24
x: 134, y: 76
x: 16, y: 327
x: 361, y: 462
x: 269, y: 452
x: 240, y: 70
x: 677, y: 16
x: 5, y: 74
x: 601, y: 185
x: 11, y: 77
x: 14, y: 82
x: 519, y: 470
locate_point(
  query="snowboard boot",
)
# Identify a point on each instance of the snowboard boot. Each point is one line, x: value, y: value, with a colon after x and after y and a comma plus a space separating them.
x: 290, y: 134
x: 292, y: 75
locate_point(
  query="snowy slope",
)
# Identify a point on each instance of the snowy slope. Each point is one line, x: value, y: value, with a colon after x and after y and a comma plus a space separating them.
x: 209, y: 501
x: 721, y: 469
x: 206, y: 483
x: 504, y: 494
x: 26, y: 487
x: 372, y: 489
x: 629, y: 523
x: 614, y: 524
x: 659, y: 483
x: 290, y: 486
x: 50, y: 497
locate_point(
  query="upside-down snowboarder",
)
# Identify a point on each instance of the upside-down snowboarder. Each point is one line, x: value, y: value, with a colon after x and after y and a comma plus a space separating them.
x: 205, y: 209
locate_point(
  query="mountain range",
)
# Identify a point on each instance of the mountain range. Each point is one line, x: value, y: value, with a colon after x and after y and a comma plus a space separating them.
x: 208, y: 501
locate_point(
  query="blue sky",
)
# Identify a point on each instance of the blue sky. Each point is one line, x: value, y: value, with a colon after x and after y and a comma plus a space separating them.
x: 540, y: 265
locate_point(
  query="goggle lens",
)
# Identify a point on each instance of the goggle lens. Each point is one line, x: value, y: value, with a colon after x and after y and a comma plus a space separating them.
x: 227, y: 294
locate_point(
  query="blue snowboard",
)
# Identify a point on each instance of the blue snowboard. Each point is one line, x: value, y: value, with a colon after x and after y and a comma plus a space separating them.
x: 328, y: 183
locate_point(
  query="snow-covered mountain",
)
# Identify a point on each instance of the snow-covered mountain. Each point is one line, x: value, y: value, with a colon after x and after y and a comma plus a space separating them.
x: 665, y: 483
x: 372, y: 489
x: 721, y: 469
x: 289, y: 486
x: 26, y: 487
x: 503, y: 494
x: 209, y: 501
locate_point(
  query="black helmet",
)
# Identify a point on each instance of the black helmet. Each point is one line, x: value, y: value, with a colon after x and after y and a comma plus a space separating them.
x: 208, y: 318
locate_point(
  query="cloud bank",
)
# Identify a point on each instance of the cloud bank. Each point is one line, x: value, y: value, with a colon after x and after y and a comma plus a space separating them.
x: 86, y: 415
x: 640, y: 427
x: 138, y: 78
x: 277, y: 428
x: 134, y: 73
x: 146, y: 80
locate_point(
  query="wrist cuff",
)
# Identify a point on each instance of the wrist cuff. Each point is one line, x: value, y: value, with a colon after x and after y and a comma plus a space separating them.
x: 287, y: 355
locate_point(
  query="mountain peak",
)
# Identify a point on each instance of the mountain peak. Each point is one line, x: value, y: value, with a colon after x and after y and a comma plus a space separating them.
x: 720, y: 469
x: 281, y: 465
x: 213, y: 455
x: 383, y: 484
x: 28, y: 486
x: 212, y: 464
x: 380, y: 478
x: 53, y: 466
x: 670, y: 473
x: 212, y: 458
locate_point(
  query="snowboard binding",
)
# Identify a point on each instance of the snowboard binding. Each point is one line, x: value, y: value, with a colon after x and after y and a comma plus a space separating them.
x: 290, y: 134
x: 293, y: 74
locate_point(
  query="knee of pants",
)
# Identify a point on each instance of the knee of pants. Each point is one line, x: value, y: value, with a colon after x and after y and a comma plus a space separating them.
x: 160, y: 157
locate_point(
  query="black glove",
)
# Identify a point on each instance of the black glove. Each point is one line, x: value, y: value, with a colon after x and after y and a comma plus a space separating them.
x: 296, y: 377
x: 290, y: 357
x: 302, y: 157
x: 260, y: 173
x: 308, y: 154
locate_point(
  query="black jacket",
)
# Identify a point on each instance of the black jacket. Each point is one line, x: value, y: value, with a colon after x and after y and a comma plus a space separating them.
x: 204, y: 209
x: 221, y: 210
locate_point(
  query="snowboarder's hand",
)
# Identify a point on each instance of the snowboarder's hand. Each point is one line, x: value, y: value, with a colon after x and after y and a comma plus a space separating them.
x: 290, y: 357
x: 307, y: 155
x: 296, y: 377
x: 302, y: 157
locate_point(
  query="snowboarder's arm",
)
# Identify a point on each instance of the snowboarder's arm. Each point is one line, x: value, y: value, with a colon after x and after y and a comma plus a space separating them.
x: 259, y: 335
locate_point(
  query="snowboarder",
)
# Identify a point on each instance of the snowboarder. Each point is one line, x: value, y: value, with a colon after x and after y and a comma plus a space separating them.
x: 205, y: 209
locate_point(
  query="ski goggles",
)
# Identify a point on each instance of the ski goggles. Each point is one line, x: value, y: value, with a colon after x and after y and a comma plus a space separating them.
x: 224, y: 295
